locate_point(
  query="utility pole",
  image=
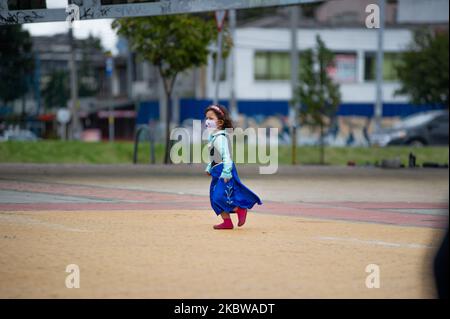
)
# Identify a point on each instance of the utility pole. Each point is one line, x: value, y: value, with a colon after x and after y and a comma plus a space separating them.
x: 231, y: 65
x: 218, y: 67
x: 294, y: 106
x: 36, y: 82
x: 379, y: 67
x: 109, y: 75
x: 220, y: 20
x: 130, y: 71
x: 74, y: 103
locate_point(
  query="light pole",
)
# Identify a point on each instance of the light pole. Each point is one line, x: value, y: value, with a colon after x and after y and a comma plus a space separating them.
x: 379, y: 68
x: 109, y: 75
x: 220, y: 19
x: 294, y: 107
x: 231, y: 65
x: 74, y: 103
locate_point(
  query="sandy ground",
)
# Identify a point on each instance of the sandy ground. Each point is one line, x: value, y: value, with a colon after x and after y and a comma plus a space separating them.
x: 168, y: 254
x: 156, y: 241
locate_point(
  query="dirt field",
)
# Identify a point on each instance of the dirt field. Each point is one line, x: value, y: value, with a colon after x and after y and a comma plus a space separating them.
x: 133, y: 239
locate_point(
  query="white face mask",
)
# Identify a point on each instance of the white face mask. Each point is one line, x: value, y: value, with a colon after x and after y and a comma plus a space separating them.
x: 210, y: 124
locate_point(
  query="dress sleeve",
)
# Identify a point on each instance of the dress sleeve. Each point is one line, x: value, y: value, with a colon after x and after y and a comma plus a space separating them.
x: 208, y: 168
x: 221, y: 143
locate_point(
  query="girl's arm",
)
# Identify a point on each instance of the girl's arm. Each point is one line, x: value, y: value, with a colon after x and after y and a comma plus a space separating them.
x: 208, y: 168
x: 221, y: 144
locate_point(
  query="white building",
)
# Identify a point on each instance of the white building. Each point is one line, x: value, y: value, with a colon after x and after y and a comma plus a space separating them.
x: 262, y: 66
x: 422, y: 11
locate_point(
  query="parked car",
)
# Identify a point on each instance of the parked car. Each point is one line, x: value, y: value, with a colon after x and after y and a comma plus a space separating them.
x: 425, y: 128
x: 18, y: 135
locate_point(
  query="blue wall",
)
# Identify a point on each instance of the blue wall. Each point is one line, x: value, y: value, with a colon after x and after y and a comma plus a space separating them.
x: 147, y: 110
x: 192, y: 108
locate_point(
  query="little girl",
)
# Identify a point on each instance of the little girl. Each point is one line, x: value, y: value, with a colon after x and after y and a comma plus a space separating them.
x: 227, y: 193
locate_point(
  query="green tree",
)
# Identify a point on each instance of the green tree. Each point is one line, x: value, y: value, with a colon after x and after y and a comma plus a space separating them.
x: 16, y: 62
x: 173, y: 43
x: 56, y: 92
x: 88, y: 85
x: 317, y: 93
x: 423, y: 69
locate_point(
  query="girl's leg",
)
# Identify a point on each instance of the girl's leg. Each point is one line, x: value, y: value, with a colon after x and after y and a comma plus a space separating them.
x: 225, y: 215
x: 242, y: 215
x: 227, y: 223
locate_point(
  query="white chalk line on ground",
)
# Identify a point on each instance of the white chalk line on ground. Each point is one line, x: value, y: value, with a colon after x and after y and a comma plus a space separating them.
x: 374, y: 242
x: 17, y: 219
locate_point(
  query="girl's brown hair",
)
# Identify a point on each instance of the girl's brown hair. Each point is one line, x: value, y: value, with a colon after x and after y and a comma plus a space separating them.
x: 222, y: 114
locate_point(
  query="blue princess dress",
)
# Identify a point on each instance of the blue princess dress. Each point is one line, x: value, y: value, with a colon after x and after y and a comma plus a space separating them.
x: 227, y: 196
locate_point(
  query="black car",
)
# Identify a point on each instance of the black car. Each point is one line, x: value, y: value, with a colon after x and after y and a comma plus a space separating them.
x: 427, y: 128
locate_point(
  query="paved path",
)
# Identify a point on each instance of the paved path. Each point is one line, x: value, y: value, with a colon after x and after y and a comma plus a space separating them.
x: 19, y: 195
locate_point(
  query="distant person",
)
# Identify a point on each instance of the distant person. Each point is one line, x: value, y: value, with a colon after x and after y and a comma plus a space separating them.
x: 285, y: 133
x: 333, y: 130
x: 366, y: 131
x: 350, y: 139
x: 227, y: 194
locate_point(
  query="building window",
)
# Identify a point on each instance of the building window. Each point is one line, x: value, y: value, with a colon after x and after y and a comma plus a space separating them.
x: 26, y: 4
x: 272, y: 66
x: 347, y: 17
x: 277, y: 66
x: 344, y: 69
x: 391, y: 60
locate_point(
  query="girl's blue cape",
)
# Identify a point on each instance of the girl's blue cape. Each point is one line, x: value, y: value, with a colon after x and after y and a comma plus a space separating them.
x: 225, y: 197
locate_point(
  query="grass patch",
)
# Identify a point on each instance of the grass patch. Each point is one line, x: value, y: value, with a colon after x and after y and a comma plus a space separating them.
x: 53, y: 151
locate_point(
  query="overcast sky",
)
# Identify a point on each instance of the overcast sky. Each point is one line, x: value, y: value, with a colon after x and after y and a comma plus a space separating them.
x: 100, y: 28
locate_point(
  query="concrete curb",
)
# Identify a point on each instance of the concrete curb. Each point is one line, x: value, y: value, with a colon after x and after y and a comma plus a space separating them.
x: 198, y: 170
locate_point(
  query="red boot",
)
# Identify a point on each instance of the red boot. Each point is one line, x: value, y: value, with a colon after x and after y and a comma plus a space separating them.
x: 242, y: 215
x: 227, y: 224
